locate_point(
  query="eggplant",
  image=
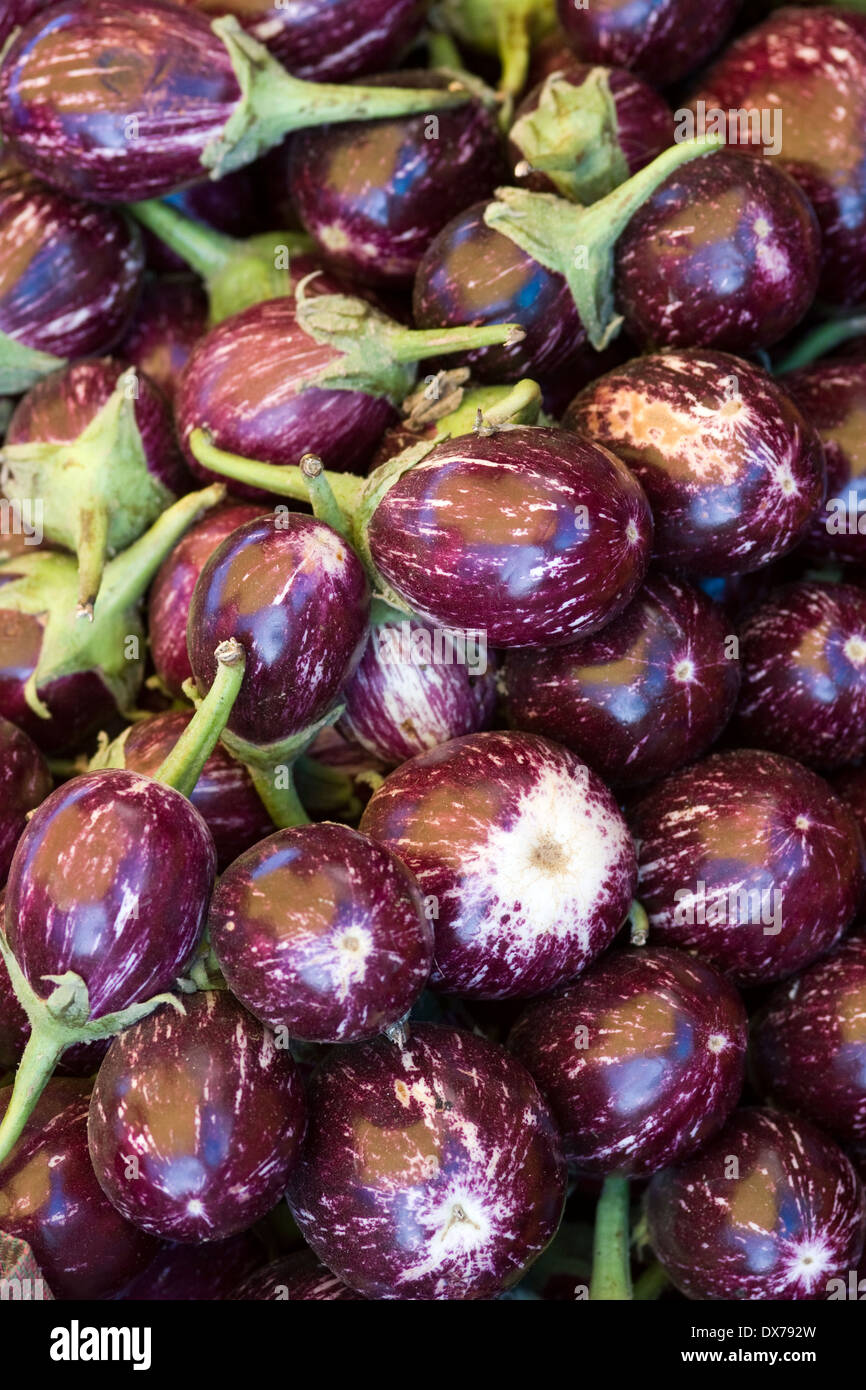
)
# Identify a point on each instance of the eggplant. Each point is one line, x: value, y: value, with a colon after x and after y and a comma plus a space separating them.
x: 25, y: 781
x: 196, y: 98
x: 832, y: 395
x: 296, y: 1276
x: 663, y: 40
x: 70, y: 278
x: 165, y: 328
x: 803, y: 73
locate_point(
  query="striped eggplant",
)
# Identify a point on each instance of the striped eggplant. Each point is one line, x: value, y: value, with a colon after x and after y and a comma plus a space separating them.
x: 794, y: 90
x: 583, y: 130
x: 49, y: 1197
x: 93, y: 447
x: 770, y: 1209
x: 24, y: 782
x: 832, y: 395
x: 808, y: 1051
x: 733, y: 472
x: 663, y: 40
x: 119, y: 103
x: 165, y: 328
x: 213, y: 1110
x: 296, y: 1276
x: 70, y: 277
x: 432, y: 1168
x: 523, y: 852
x: 725, y: 254
x: 171, y: 591
x: 803, y: 657
x: 322, y: 933
x: 749, y: 860
x: 641, y: 1060
x: 648, y: 693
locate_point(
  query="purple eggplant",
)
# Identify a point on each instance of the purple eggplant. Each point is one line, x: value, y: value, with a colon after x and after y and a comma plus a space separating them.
x: 296, y: 1276
x: 166, y: 327
x: 70, y: 277
x: 49, y: 1197
x: 93, y: 445
x: 808, y: 1051
x: 207, y: 1272
x: 17, y: 12
x: 648, y: 693
x: 520, y: 851
x: 62, y: 680
x: 211, y: 1111
x: 327, y: 40
x: 24, y: 782
x: 850, y: 784
x: 321, y: 932
x: 233, y: 205
x: 416, y: 687
x: 733, y: 472
x: 172, y: 589
x: 583, y: 130
x: 544, y: 262
x: 120, y: 104
x: 803, y: 656
x: 749, y: 860
x: 224, y: 794
x: 725, y: 254
x: 320, y: 373
x: 832, y: 395
x: 770, y: 1209
x: 432, y: 1168
x: 794, y: 89
x: 663, y: 40
x: 531, y: 535
x: 374, y: 197
x: 641, y: 1060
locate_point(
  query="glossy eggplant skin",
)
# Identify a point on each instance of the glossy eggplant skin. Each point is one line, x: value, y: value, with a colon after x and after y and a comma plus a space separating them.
x: 808, y: 1050
x: 322, y: 932
x: 648, y: 693
x: 803, y: 653
x: 298, y: 1276
x: 246, y: 384
x: 18, y: 12
x: 49, y: 1197
x: 832, y: 395
x: 374, y: 198
x: 24, y: 782
x: 213, y: 1111
x: 432, y: 1170
x: 224, y: 794
x: 523, y: 853
x: 641, y: 1060
x: 296, y: 597
x: 70, y: 272
x: 750, y: 860
x: 169, y: 321
x: 172, y: 589
x: 327, y: 40
x: 111, y: 879
x: 733, y: 471
x: 725, y: 254
x: 807, y: 65
x: 532, y: 535
x: 81, y: 703
x: 786, y: 1222
x: 471, y: 274
x: 115, y: 103
x: 663, y: 40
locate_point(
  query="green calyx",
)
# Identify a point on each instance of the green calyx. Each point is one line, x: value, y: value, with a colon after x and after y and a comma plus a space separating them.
x: 96, y: 493
x: 21, y: 367
x: 573, y: 137
x: 273, y: 103
x: 44, y: 584
x: 271, y: 767
x: 236, y: 273
x: 506, y: 29
x: 56, y: 1023
x: 578, y: 242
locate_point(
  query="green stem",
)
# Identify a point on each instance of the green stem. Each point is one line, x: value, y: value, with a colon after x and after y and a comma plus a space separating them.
x: 127, y: 576
x: 327, y: 790
x: 611, y: 1270
x: 638, y: 924
x: 41, y: 1055
x: 442, y: 51
x: 820, y: 341
x: 273, y: 103
x: 278, y: 794
x: 92, y: 551
x: 182, y: 768
x: 281, y: 480
x: 414, y: 344
x: 321, y: 495
x: 651, y: 1284
x: 204, y: 249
